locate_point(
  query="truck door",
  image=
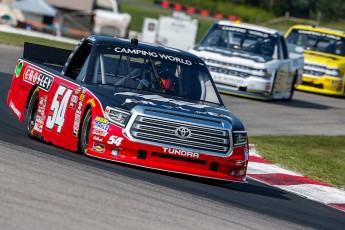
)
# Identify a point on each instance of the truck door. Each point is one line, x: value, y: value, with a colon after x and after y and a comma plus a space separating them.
x: 284, y: 77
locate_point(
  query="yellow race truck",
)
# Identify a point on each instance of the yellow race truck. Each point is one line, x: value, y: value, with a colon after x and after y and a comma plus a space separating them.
x: 324, y: 58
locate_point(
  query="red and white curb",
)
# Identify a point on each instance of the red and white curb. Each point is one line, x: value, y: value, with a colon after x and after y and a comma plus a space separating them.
x: 261, y: 170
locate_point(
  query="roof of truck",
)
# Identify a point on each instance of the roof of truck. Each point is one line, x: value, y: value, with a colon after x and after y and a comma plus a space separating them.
x: 249, y: 26
x: 319, y: 29
x: 107, y: 40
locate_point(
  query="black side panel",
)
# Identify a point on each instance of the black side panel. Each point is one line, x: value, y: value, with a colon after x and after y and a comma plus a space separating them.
x: 47, y: 54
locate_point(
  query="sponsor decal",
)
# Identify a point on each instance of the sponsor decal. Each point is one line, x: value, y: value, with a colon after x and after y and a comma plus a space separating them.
x: 15, y: 110
x: 18, y: 68
x: 179, y: 152
x: 242, y: 30
x: 128, y: 101
x: 115, y: 140
x: 99, y: 132
x: 33, y: 76
x: 73, y: 102
x: 45, y: 82
x: 246, y: 154
x: 77, y: 119
x: 98, y: 147
x: 101, y: 123
x: 77, y: 90
x: 79, y: 108
x: 318, y: 34
x: 234, y: 29
x: 40, y: 117
x: 152, y: 54
x: 158, y: 99
x: 97, y: 138
x: 91, y: 38
x: 82, y: 97
x: 92, y: 102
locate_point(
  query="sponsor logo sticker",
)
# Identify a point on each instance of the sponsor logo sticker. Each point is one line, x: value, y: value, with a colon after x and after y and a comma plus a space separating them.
x: 99, y: 132
x: 179, y: 152
x: 15, y: 110
x: 34, y: 76
x: 101, y: 123
x: 98, y: 147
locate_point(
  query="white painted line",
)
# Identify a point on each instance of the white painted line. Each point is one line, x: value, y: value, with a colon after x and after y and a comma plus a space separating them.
x: 262, y: 168
x: 319, y: 193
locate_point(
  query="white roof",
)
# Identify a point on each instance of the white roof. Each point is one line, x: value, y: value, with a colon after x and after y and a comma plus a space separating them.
x: 248, y: 26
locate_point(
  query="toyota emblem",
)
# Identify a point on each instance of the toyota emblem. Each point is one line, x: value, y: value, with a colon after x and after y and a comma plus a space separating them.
x: 183, y: 132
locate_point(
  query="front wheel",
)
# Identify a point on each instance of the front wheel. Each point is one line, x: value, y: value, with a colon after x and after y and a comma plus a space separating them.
x: 31, y: 114
x: 292, y: 90
x: 85, y: 132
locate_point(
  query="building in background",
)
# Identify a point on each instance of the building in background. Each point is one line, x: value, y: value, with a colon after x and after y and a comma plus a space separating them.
x: 71, y: 18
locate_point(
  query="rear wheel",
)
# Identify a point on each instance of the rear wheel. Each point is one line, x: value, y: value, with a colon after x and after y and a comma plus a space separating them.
x: 85, y: 132
x: 31, y: 114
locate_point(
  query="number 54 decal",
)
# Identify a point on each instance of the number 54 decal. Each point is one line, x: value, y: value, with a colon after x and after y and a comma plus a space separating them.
x: 58, y: 108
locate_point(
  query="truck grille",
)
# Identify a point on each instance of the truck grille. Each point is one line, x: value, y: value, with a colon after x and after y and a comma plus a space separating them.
x: 314, y: 69
x: 165, y: 132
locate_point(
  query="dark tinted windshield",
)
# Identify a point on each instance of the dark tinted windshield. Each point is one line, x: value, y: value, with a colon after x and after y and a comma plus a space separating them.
x: 322, y: 42
x: 235, y: 38
x: 154, y: 72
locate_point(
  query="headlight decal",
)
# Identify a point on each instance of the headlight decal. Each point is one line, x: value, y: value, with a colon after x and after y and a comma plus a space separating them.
x: 239, y: 138
x: 117, y: 116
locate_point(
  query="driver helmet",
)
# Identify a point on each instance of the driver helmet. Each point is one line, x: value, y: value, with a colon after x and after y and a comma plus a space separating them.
x: 166, y: 72
x: 168, y: 80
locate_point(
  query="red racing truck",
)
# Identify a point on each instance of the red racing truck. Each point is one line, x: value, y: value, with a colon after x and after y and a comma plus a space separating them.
x: 130, y: 102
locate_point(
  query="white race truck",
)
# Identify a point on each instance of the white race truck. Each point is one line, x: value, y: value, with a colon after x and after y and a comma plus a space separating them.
x: 250, y: 61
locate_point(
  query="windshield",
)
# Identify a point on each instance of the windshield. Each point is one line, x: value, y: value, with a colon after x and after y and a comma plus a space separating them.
x: 154, y: 72
x: 241, y: 39
x: 317, y: 41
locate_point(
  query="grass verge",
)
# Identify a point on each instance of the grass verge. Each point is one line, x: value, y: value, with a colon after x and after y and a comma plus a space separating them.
x: 318, y: 157
x: 18, y: 40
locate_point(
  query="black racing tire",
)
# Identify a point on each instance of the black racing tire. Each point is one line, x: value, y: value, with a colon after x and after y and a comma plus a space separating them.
x: 292, y: 91
x: 31, y: 113
x: 85, y: 132
x: 273, y: 86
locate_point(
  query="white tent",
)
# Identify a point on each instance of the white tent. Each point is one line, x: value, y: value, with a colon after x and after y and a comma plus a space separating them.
x: 35, y: 6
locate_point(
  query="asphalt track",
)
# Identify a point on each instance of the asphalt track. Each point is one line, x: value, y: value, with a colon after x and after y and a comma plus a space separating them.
x: 45, y: 187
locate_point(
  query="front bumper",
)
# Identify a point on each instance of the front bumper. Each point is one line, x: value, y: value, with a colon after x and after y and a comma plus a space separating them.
x: 226, y: 168
x: 251, y: 87
x: 323, y: 85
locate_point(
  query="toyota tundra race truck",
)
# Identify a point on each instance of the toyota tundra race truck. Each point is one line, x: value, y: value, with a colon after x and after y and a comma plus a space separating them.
x: 130, y: 102
x: 324, y: 54
x: 250, y: 61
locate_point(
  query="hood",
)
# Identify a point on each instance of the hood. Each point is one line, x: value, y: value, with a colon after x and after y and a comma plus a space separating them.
x: 207, y: 52
x: 324, y: 58
x: 127, y: 100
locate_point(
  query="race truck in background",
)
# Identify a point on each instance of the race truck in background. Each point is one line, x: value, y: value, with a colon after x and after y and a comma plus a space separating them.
x: 250, y: 61
x: 324, y: 55
x: 130, y: 102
